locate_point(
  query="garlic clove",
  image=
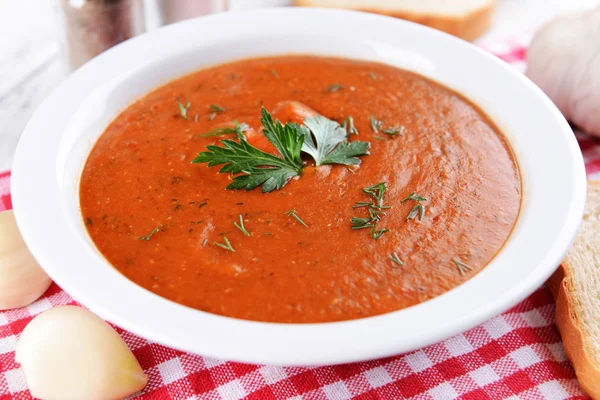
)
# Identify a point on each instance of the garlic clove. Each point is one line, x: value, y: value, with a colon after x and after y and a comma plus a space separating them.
x: 564, y: 61
x: 69, y: 353
x: 22, y: 281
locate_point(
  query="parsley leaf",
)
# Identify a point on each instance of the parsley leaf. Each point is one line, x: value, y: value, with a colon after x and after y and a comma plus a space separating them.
x: 260, y: 168
x: 286, y: 138
x: 269, y: 178
x: 325, y: 140
x: 330, y: 145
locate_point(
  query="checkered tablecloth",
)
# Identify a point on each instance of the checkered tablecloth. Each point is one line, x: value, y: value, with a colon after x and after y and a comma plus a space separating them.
x: 518, y: 354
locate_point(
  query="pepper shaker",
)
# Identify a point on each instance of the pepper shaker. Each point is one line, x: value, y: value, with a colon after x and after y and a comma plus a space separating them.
x: 88, y: 27
x: 179, y: 10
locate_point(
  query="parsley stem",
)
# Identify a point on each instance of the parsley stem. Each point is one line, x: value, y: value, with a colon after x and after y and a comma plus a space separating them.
x: 292, y: 213
x: 240, y: 226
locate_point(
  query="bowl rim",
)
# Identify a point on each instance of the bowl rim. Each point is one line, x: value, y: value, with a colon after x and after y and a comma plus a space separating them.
x: 58, y: 249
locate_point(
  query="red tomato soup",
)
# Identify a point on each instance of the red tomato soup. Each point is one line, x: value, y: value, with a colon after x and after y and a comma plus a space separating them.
x: 442, y: 194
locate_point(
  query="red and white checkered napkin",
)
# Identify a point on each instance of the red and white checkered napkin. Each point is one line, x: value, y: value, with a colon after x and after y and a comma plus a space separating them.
x: 515, y: 355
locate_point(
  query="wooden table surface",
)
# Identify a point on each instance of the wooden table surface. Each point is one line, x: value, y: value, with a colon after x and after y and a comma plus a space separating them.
x: 31, y: 65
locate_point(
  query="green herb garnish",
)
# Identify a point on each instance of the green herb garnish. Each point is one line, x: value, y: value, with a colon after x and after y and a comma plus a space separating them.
x: 274, y: 73
x: 330, y: 144
x: 183, y: 109
x: 146, y: 238
x: 226, y: 246
x: 292, y: 213
x: 238, y: 130
x: 373, y: 75
x: 377, y: 127
x: 334, y: 88
x: 376, y: 234
x: 414, y: 196
x: 375, y: 124
x: 348, y: 125
x: 360, y: 223
x: 323, y: 139
x: 375, y: 210
x: 394, y: 257
x: 196, y: 118
x: 88, y: 221
x: 241, y: 227
x: 394, y: 131
x: 462, y: 267
x: 215, y: 110
x: 376, y: 192
x: 417, y: 210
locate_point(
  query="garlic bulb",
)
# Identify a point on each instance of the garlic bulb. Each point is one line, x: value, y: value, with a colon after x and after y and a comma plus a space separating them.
x: 564, y: 61
x: 22, y: 281
x: 69, y: 353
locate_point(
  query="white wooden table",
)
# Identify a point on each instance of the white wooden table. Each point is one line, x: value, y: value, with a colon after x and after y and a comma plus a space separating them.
x: 31, y: 63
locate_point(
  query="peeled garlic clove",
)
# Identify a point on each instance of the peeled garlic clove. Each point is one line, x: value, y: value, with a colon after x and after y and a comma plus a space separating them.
x: 564, y: 61
x: 69, y: 353
x: 22, y: 281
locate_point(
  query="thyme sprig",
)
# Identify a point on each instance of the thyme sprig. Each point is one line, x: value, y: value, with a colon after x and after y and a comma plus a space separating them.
x: 147, y: 237
x: 292, y: 213
x: 414, y: 196
x: 394, y: 257
x: 215, y: 110
x: 418, y: 210
x: 334, y: 87
x: 348, y: 125
x: 183, y: 108
x: 241, y: 226
x: 226, y: 245
x: 461, y: 266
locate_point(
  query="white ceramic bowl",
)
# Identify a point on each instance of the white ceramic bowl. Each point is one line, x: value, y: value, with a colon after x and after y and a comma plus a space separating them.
x: 58, y: 138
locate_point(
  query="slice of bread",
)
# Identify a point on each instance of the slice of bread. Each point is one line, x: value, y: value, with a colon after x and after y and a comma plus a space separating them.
x: 576, y: 288
x: 467, y: 19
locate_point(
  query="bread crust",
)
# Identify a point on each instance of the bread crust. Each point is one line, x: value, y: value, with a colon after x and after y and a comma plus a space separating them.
x: 587, y: 373
x: 469, y: 27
